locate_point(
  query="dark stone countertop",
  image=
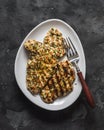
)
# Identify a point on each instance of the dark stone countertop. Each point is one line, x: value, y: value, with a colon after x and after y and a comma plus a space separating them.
x: 17, y: 18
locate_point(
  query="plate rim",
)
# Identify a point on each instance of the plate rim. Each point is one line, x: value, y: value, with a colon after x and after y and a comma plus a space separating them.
x: 17, y: 55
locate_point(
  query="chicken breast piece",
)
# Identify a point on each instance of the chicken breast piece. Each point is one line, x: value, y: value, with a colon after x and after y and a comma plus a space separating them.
x: 32, y: 46
x: 54, y: 39
x: 38, y: 73
x: 60, y: 84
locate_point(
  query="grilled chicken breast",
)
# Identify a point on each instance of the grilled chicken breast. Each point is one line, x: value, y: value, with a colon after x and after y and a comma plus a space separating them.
x: 37, y: 49
x: 54, y: 39
x: 32, y: 46
x: 38, y: 73
x: 60, y: 84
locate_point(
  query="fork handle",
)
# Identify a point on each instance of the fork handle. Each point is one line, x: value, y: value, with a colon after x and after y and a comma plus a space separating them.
x: 86, y: 90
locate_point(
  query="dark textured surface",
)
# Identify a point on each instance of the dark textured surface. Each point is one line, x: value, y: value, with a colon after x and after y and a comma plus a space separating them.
x: 17, y: 18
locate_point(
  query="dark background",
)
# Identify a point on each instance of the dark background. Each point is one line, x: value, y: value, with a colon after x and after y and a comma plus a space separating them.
x: 17, y: 18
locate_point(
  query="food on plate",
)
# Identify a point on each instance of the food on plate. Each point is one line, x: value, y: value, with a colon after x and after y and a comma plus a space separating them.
x: 60, y: 84
x: 38, y: 73
x: 32, y: 45
x: 46, y: 75
x: 55, y: 39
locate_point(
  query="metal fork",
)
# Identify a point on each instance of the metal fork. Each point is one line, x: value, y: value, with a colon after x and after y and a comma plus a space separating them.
x: 73, y: 57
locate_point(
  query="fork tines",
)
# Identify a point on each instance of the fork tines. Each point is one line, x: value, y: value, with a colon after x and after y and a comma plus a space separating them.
x: 71, y: 50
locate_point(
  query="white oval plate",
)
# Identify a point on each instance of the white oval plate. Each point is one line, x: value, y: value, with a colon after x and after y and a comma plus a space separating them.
x: 38, y: 33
